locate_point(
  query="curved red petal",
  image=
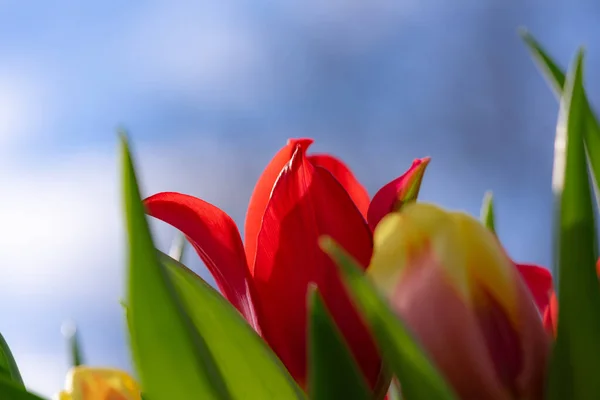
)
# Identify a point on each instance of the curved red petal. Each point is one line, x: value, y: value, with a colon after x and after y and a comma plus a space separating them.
x: 262, y: 193
x: 216, y: 239
x: 344, y: 175
x: 402, y: 189
x: 539, y: 282
x: 308, y: 202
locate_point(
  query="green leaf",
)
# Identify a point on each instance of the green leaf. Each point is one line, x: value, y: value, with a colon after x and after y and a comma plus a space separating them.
x: 552, y: 72
x: 556, y: 78
x: 178, y: 247
x: 248, y: 366
x: 576, y: 358
x: 11, y: 390
x: 70, y: 332
x: 172, y: 361
x: 8, y: 366
x: 487, y: 212
x: 420, y: 379
x: 333, y: 373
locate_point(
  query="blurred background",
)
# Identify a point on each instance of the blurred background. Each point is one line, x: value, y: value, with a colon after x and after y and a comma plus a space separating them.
x: 210, y: 90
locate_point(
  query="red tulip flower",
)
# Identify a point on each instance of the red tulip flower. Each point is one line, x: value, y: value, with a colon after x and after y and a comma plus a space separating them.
x: 297, y: 199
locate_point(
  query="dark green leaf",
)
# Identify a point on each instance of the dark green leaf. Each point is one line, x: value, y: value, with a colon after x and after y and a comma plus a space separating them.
x: 420, y: 379
x: 172, y: 361
x: 556, y: 77
x: 11, y: 390
x: 576, y: 359
x: 333, y: 373
x: 248, y: 366
x: 487, y: 212
x: 8, y: 366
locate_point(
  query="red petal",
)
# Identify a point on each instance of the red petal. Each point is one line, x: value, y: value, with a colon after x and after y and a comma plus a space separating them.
x: 539, y: 282
x: 216, y: 240
x: 342, y: 173
x: 308, y: 202
x: 262, y: 193
x: 551, y: 315
x: 402, y: 189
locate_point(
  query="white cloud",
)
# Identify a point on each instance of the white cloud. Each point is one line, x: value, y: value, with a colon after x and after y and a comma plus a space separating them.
x: 44, y: 373
x: 55, y: 222
x: 198, y: 50
x: 62, y: 223
x: 22, y: 106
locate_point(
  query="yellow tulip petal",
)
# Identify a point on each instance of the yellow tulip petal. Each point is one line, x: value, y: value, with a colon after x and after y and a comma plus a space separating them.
x: 86, y: 383
x: 62, y: 396
x: 402, y: 237
x: 487, y: 263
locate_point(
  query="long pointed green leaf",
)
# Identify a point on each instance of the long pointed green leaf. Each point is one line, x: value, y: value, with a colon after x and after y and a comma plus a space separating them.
x: 333, y: 373
x: 487, y: 212
x: 420, y: 379
x: 71, y: 334
x: 8, y: 365
x: 556, y: 77
x: 576, y: 359
x: 249, y: 367
x: 552, y: 72
x: 11, y: 390
x: 173, y: 363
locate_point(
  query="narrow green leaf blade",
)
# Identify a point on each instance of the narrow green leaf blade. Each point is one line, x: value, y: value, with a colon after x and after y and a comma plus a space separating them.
x: 420, y: 379
x: 71, y: 334
x: 173, y: 363
x: 333, y: 373
x: 556, y: 77
x: 8, y: 365
x: 11, y: 390
x: 487, y: 212
x: 552, y: 72
x: 249, y: 367
x: 575, y: 362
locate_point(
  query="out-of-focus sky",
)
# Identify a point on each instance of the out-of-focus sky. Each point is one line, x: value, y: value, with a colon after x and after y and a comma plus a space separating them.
x: 210, y: 90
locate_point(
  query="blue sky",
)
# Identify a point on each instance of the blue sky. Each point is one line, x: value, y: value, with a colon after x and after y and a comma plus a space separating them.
x: 209, y: 90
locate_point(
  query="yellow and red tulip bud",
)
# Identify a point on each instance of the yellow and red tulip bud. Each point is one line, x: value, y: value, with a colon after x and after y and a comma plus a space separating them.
x: 450, y: 280
x: 86, y: 383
